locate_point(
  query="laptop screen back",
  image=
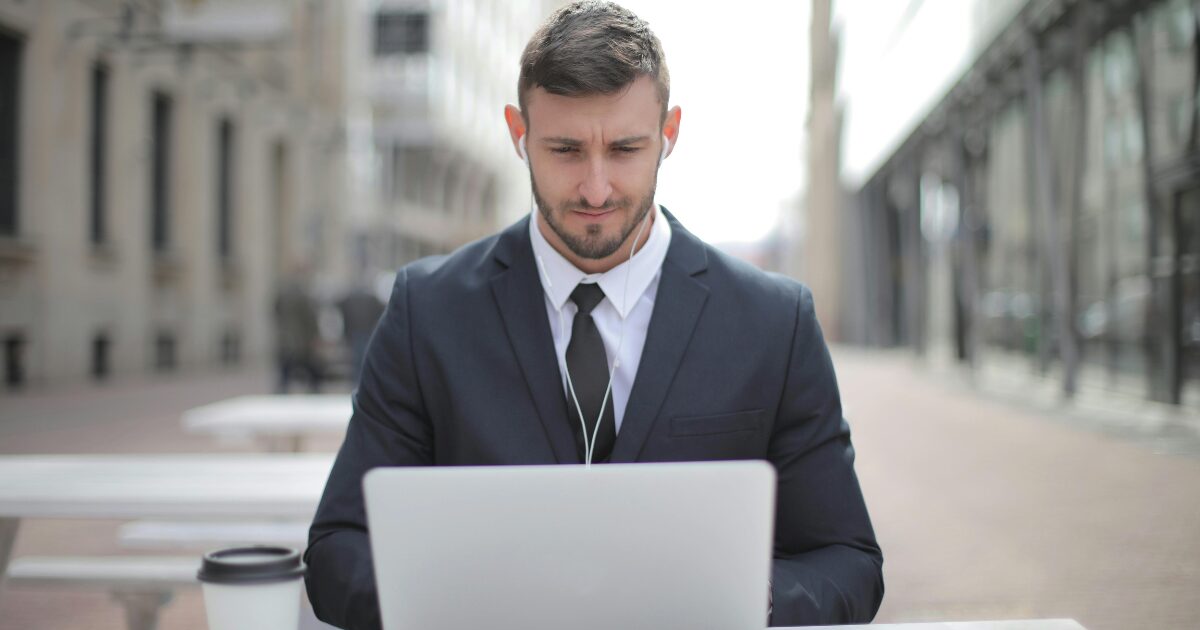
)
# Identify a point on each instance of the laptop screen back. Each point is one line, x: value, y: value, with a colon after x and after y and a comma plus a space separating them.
x: 615, y: 546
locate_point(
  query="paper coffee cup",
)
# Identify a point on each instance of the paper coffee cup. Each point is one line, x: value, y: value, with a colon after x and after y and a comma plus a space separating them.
x: 252, y: 588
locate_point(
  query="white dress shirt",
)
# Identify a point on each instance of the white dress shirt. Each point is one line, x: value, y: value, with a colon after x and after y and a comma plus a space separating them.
x: 629, y: 292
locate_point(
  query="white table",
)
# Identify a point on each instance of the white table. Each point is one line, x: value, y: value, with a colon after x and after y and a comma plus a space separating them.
x: 221, y: 486
x: 278, y: 422
x: 1023, y: 624
x: 284, y: 486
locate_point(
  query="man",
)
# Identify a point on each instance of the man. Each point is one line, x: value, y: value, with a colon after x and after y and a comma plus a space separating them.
x: 500, y: 353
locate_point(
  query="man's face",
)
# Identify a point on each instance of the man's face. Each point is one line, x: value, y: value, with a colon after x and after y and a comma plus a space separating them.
x: 594, y: 165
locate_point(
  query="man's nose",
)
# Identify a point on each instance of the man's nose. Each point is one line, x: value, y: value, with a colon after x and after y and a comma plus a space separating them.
x: 596, y: 187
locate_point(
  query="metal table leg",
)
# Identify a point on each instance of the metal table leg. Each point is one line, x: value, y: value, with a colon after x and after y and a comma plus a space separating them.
x: 142, y: 607
x: 8, y: 536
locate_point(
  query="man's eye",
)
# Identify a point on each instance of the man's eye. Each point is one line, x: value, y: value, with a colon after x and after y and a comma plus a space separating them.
x: 563, y: 150
x: 628, y: 149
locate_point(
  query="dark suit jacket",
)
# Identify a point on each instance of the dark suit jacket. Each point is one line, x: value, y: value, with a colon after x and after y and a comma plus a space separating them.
x: 461, y: 370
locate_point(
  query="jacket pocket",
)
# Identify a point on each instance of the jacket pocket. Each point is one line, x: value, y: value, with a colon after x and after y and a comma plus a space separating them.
x: 717, y: 424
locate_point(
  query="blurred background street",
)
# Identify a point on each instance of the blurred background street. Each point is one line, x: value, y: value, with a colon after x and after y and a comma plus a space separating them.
x: 986, y: 507
x: 996, y: 204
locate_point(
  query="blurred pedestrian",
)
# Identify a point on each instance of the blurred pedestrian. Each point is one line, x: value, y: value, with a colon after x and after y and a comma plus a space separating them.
x: 360, y: 309
x: 296, y: 334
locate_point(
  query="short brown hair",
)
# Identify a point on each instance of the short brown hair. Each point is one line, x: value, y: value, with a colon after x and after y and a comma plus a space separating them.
x: 592, y: 47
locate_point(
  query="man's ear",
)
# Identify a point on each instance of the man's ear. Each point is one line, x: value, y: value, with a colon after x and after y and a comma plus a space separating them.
x: 671, y: 127
x: 516, y: 127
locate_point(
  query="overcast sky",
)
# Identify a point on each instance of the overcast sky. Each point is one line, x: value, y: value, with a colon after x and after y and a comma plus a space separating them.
x: 739, y: 71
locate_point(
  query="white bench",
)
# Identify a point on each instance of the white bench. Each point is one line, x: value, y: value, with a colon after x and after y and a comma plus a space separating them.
x: 141, y: 584
x: 175, y: 486
x: 278, y: 423
x: 206, y: 535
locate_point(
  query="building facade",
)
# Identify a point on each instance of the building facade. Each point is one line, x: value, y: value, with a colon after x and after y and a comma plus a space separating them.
x: 1041, y: 212
x: 163, y: 164
x: 431, y: 80
x: 166, y: 165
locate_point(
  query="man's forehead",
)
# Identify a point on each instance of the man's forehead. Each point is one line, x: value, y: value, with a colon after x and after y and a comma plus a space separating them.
x: 632, y: 111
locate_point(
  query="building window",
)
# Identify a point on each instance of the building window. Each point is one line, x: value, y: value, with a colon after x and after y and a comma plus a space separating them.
x: 10, y: 99
x: 225, y: 140
x: 164, y: 352
x: 1171, y: 88
x: 231, y: 347
x: 1012, y: 304
x: 99, y: 150
x: 280, y: 217
x: 489, y: 200
x: 1180, y: 22
x: 1112, y: 282
x: 396, y: 173
x: 401, y: 32
x: 14, y: 360
x: 101, y: 347
x: 160, y: 177
x: 416, y: 174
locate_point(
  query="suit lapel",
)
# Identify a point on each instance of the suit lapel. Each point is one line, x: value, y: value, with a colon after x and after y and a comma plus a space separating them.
x: 522, y: 306
x: 677, y: 307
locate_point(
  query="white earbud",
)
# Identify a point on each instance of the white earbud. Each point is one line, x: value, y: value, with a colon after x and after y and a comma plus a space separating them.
x: 524, y: 153
x: 666, y: 149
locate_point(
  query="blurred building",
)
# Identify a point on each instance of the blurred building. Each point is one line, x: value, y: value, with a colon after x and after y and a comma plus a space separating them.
x: 817, y: 260
x: 435, y: 164
x: 163, y: 163
x: 1027, y: 188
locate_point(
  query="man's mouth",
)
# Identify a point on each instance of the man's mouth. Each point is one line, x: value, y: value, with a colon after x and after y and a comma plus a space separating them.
x: 594, y: 213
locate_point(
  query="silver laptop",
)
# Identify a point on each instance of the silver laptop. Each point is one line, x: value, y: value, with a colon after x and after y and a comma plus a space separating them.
x: 628, y: 546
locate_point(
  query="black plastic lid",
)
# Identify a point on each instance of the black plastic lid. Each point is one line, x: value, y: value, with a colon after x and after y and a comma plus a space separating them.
x: 251, y: 565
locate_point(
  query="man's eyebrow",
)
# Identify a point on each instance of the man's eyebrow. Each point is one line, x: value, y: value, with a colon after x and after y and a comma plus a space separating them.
x: 571, y: 142
x: 620, y: 142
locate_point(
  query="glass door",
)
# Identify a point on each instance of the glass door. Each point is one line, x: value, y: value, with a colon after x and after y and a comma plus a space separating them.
x: 1187, y: 286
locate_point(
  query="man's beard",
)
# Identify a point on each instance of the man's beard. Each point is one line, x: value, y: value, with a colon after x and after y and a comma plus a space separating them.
x: 593, y: 245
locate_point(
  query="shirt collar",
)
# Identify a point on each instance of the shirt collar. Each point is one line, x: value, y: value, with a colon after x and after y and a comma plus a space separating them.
x: 559, y: 277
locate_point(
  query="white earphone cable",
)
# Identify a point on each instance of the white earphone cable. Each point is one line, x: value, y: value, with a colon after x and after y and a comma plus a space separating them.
x: 589, y: 443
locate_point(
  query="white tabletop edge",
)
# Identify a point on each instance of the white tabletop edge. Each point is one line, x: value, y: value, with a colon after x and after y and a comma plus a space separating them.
x: 1010, y: 624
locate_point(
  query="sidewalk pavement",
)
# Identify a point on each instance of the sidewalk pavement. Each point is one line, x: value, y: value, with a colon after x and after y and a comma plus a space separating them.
x: 985, y: 508
x: 990, y: 508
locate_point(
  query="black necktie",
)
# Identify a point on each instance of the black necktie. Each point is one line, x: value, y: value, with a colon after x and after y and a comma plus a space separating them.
x: 587, y: 365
